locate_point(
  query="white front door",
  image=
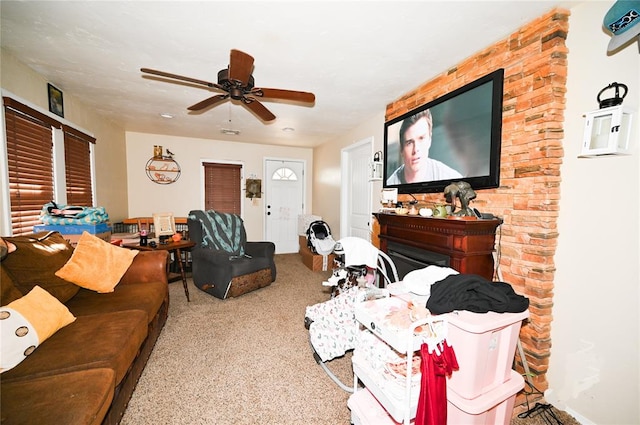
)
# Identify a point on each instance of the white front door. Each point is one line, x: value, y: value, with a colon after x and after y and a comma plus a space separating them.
x: 284, y: 194
x: 355, y: 210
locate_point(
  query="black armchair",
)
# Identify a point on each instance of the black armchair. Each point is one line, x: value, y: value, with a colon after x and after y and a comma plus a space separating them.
x: 224, y: 264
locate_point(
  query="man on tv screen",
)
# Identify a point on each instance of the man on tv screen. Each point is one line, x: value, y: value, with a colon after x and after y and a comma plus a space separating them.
x: 415, y: 141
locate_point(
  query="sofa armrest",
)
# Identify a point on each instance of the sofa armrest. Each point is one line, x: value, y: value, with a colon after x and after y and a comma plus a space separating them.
x: 260, y: 249
x: 147, y: 266
x: 211, y: 257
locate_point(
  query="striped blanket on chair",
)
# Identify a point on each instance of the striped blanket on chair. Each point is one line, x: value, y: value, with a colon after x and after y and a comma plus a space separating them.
x: 221, y: 231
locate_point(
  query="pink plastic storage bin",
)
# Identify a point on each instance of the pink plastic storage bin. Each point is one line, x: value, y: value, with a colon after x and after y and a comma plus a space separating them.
x: 366, y: 410
x: 485, y: 345
x: 492, y: 408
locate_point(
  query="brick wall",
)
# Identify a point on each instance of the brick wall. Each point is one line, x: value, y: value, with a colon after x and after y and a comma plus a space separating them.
x: 535, y: 63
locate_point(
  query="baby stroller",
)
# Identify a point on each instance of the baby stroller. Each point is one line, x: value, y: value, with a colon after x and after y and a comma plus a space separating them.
x: 362, y: 272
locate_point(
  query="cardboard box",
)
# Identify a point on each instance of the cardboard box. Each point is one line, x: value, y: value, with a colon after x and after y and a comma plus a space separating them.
x: 313, y: 261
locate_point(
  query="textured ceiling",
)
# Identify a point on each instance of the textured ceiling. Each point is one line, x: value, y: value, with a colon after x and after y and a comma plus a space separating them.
x: 356, y: 57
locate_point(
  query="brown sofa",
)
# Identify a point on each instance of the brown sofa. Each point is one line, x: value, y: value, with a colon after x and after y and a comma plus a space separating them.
x: 86, y: 372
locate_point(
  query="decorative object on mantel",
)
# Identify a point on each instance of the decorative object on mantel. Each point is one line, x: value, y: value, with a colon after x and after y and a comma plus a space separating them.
x: 462, y: 191
x: 56, y: 104
x: 254, y: 188
x: 623, y: 22
x: 162, y: 169
x: 608, y: 130
x: 389, y: 197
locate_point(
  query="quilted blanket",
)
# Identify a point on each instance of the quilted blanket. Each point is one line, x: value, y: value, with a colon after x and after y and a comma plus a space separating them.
x: 221, y: 231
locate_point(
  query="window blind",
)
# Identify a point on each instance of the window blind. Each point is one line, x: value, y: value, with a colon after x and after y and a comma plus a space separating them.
x: 31, y: 167
x: 77, y: 157
x: 30, y: 164
x: 222, y: 187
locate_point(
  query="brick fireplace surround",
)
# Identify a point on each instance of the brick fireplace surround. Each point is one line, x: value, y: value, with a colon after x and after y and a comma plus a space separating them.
x: 535, y: 63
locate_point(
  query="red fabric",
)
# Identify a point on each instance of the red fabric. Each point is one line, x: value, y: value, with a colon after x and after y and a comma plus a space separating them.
x: 432, y: 404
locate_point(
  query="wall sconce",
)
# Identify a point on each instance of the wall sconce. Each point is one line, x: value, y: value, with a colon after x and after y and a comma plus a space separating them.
x: 375, y: 167
x: 607, y: 131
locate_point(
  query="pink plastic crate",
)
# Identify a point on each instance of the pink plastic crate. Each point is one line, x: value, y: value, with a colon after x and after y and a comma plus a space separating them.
x: 366, y: 410
x: 491, y: 408
x: 485, y: 345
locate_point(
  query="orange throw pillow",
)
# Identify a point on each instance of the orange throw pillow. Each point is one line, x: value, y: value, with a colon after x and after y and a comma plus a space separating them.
x: 28, y: 322
x: 96, y: 264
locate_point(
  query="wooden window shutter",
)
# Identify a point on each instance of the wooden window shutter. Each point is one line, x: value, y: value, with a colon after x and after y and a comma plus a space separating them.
x: 77, y: 156
x: 30, y: 164
x: 222, y: 187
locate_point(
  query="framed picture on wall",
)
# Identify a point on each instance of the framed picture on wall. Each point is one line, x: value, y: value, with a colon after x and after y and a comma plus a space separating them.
x: 254, y: 188
x: 56, y: 104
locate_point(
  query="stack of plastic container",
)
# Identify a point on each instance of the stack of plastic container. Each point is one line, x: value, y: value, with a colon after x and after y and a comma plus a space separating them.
x: 483, y: 390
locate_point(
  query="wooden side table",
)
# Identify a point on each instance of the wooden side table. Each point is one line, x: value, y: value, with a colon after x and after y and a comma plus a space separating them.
x: 174, y: 247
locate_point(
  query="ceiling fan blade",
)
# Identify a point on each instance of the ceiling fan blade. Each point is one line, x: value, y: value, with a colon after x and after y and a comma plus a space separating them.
x: 208, y: 102
x: 177, y: 77
x: 298, y: 96
x: 258, y: 108
x: 240, y: 66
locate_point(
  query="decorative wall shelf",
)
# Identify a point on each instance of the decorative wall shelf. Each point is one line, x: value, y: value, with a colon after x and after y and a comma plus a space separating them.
x: 163, y: 169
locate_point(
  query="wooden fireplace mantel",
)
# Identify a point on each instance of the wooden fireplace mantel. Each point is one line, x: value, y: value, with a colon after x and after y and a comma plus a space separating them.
x: 468, y: 243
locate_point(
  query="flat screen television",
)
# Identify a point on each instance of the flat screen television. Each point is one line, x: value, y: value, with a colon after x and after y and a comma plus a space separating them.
x: 456, y: 137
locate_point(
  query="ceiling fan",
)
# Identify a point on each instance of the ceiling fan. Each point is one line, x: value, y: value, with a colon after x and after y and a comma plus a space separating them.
x: 237, y: 82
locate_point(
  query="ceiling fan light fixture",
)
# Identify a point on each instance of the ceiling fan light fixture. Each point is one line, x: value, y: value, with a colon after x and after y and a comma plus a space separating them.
x: 230, y: 132
x: 238, y: 84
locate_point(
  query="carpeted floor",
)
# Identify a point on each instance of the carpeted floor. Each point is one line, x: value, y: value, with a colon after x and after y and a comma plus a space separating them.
x: 244, y: 360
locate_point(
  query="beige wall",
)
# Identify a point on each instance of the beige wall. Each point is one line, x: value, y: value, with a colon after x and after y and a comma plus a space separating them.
x: 111, y: 172
x: 146, y: 197
x: 327, y: 178
x: 593, y: 369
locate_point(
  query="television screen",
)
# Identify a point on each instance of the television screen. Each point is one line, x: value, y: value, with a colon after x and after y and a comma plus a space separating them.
x: 455, y: 137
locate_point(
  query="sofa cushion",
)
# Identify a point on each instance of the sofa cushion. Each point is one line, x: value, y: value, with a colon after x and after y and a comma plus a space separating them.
x: 8, y: 290
x: 96, y: 264
x: 110, y: 340
x: 6, y: 248
x: 81, y: 397
x: 28, y: 322
x: 147, y: 297
x: 35, y: 261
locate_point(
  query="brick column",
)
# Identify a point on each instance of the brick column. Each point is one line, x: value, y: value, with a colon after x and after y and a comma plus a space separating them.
x: 535, y: 63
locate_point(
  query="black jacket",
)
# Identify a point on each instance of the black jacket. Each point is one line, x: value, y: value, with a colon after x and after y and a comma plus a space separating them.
x: 474, y: 293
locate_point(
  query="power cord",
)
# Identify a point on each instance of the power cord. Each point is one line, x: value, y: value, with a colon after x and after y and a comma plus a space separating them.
x: 544, y: 410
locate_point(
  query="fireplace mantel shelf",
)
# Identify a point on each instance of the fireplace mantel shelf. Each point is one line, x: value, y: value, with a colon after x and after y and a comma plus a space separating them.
x: 469, y: 244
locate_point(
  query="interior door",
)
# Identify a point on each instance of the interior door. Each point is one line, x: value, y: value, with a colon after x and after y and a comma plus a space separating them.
x: 284, y: 194
x: 355, y: 210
